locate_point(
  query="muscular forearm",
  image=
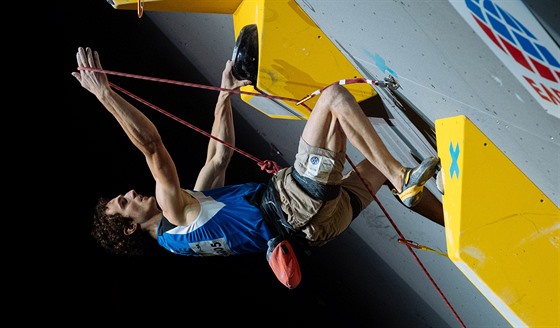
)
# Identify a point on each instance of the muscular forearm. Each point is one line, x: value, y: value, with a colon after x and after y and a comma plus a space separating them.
x: 223, y: 127
x: 212, y: 175
x: 139, y: 129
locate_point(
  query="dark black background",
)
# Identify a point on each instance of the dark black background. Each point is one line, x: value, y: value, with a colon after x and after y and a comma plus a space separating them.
x: 101, y: 161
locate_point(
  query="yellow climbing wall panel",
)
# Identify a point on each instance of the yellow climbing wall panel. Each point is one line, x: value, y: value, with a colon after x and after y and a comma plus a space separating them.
x: 295, y: 56
x: 193, y: 6
x: 502, y: 232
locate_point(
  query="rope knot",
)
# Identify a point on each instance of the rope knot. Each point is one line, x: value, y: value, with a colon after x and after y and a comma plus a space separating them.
x: 269, y: 166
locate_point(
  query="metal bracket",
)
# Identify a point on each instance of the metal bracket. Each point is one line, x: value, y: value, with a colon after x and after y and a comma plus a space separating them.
x: 389, y: 82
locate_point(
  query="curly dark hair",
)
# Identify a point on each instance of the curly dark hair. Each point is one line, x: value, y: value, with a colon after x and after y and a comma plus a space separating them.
x: 108, y: 231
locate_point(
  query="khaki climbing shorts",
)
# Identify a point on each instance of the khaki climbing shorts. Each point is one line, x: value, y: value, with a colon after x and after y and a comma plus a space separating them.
x: 321, y: 219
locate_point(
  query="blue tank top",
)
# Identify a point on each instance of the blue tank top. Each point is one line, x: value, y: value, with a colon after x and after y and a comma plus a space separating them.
x: 228, y: 224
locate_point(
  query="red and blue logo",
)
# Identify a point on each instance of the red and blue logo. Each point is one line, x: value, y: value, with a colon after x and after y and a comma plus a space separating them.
x: 514, y: 39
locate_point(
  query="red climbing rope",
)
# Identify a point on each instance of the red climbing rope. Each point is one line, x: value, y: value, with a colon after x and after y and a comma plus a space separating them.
x: 271, y: 166
x: 408, y: 244
x: 268, y: 166
x: 193, y: 85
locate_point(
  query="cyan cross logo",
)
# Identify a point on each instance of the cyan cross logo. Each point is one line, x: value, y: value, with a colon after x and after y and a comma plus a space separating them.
x: 454, y: 168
